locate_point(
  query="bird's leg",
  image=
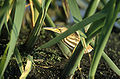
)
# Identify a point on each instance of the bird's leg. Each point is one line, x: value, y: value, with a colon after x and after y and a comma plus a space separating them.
x: 87, y: 49
x: 79, y: 67
x: 85, y: 46
x: 79, y: 63
x: 90, y: 57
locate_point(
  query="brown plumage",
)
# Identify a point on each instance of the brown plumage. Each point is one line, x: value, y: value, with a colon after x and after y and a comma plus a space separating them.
x: 72, y: 40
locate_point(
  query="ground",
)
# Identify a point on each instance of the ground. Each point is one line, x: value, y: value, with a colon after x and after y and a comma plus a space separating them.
x: 49, y: 62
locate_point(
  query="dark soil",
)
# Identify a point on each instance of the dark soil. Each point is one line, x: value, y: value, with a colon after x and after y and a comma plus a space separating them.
x: 50, y: 62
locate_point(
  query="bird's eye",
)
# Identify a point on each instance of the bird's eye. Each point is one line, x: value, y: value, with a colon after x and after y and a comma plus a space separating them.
x: 60, y: 30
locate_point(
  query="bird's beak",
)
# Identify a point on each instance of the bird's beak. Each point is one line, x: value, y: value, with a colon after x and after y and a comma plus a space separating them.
x: 54, y: 29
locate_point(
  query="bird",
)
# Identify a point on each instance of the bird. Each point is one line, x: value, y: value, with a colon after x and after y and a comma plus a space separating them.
x: 70, y: 41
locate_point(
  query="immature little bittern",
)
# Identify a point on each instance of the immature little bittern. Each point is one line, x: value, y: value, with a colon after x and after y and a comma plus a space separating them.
x: 72, y: 40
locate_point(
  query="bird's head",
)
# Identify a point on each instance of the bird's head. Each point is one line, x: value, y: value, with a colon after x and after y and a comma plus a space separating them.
x: 56, y: 29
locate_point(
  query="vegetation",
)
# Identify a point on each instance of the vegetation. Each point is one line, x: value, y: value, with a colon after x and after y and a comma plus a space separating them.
x: 23, y: 39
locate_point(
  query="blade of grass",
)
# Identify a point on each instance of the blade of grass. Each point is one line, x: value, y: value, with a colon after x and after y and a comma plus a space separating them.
x: 33, y: 35
x: 2, y: 21
x: 6, y: 25
x: 3, y: 60
x: 66, y: 51
x: 49, y: 21
x: 4, y: 12
x: 5, y: 8
x: 20, y: 8
x: 28, y: 67
x: 93, y: 31
x: 91, y: 10
x: 111, y: 17
x: 104, y: 2
x: 111, y: 63
x: 95, y: 26
x: 36, y: 31
x: 33, y: 13
x: 18, y: 59
x: 66, y: 8
x: 75, y: 11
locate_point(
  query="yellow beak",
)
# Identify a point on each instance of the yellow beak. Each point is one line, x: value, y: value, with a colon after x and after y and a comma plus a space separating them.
x: 54, y: 29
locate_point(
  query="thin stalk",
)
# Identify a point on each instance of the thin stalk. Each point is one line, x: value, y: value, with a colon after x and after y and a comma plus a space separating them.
x: 18, y: 59
x: 19, y: 12
x: 36, y: 31
x: 91, y: 10
x: 105, y: 33
x: 111, y: 63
